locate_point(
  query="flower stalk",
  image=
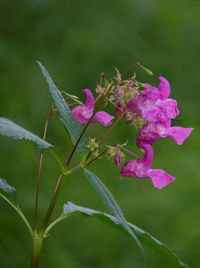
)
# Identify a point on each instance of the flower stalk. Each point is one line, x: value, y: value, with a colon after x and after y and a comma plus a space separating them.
x: 38, y: 180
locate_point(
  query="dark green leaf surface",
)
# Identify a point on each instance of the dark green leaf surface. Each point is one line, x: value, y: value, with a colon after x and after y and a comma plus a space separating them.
x: 110, y: 203
x: 144, y: 237
x: 73, y: 127
x: 14, y: 131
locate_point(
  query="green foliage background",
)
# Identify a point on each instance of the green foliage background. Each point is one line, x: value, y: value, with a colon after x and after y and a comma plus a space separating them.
x: 76, y: 41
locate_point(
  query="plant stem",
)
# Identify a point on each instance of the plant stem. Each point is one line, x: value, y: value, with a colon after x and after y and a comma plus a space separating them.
x: 67, y: 162
x: 111, y: 128
x: 95, y: 158
x: 54, y: 198
x: 20, y: 213
x: 38, y: 181
x: 53, y: 223
x: 52, y: 202
x: 37, y: 246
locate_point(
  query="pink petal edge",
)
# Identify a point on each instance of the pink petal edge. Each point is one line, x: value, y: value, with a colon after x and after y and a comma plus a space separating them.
x: 160, y: 178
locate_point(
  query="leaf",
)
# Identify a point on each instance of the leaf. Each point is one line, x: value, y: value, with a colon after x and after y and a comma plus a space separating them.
x: 110, y: 203
x: 7, y: 192
x: 14, y: 131
x: 144, y: 236
x: 73, y: 127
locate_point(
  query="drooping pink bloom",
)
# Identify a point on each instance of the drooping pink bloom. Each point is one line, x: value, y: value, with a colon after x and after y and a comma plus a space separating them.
x: 153, y: 103
x: 153, y: 131
x: 151, y: 93
x: 82, y: 113
x: 160, y: 111
x: 161, y: 92
x: 141, y: 168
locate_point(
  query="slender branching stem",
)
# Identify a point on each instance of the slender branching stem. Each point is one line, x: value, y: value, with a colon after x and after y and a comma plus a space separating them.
x: 98, y: 103
x: 129, y: 152
x: 38, y: 180
x: 53, y: 223
x: 88, y: 156
x: 20, y: 213
x: 95, y: 158
x: 68, y: 160
x: 111, y: 129
x: 52, y: 203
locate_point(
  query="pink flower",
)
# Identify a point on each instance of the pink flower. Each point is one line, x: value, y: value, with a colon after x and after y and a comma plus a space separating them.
x: 161, y: 92
x: 153, y: 131
x: 141, y: 168
x: 82, y: 113
x: 153, y: 103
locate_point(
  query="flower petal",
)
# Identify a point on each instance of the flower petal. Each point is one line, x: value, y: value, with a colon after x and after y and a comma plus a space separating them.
x: 130, y: 169
x: 147, y: 134
x: 138, y: 168
x: 160, y: 178
x: 104, y: 118
x: 82, y: 114
x: 89, y: 99
x: 148, y: 156
x: 170, y: 107
x: 164, y: 87
x: 150, y: 92
x: 178, y: 134
x: 151, y: 112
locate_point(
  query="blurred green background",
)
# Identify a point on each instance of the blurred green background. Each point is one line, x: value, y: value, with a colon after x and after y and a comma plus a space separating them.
x: 76, y: 41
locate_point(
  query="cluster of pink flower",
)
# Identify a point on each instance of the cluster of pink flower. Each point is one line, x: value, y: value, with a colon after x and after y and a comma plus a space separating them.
x: 153, y: 110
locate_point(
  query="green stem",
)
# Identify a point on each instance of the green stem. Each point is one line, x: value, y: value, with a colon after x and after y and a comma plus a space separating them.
x: 38, y: 180
x: 111, y: 128
x: 25, y: 221
x: 95, y: 158
x: 37, y: 246
x: 55, y: 196
x: 66, y: 164
x: 52, y: 203
x: 59, y: 219
x: 97, y: 104
x: 20, y: 213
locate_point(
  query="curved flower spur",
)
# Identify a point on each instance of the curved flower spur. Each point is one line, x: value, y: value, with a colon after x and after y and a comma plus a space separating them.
x: 145, y: 107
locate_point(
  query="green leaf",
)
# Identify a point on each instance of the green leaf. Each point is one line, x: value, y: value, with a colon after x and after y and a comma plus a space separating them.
x: 73, y: 127
x: 8, y: 191
x: 72, y: 209
x: 110, y: 203
x: 14, y: 131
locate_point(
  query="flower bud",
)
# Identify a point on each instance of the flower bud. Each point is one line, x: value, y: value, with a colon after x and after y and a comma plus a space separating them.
x: 117, y: 159
x: 92, y: 145
x: 116, y: 154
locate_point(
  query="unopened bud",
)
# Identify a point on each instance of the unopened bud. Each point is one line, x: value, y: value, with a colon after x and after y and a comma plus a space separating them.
x: 116, y: 154
x: 92, y: 145
x: 144, y: 68
x: 117, y: 159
